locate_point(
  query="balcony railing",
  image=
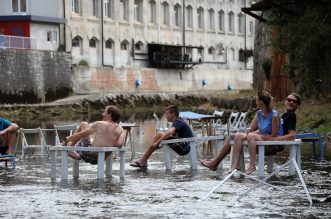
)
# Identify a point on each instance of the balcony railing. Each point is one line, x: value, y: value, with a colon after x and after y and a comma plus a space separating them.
x: 15, y: 42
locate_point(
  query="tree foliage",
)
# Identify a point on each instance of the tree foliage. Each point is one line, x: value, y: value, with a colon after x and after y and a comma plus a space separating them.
x: 305, y: 35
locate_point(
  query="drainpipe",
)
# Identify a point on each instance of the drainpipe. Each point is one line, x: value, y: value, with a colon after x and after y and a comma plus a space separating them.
x: 245, y: 33
x: 64, y: 28
x: 184, y: 25
x: 158, y: 22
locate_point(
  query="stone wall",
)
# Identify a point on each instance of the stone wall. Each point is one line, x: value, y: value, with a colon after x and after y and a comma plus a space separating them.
x: 28, y: 76
x: 89, y: 80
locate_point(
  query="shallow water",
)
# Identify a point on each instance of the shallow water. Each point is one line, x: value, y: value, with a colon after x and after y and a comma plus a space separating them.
x: 154, y: 193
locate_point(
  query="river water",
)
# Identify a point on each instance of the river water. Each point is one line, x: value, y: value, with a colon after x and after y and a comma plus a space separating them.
x: 154, y: 193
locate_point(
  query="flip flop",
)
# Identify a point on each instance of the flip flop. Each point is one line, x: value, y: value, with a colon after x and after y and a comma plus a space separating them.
x: 74, y: 155
x: 137, y: 164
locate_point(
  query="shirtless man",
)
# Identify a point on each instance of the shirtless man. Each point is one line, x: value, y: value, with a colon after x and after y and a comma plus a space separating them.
x: 106, y: 133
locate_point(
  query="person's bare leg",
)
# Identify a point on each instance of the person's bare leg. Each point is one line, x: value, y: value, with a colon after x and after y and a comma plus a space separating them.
x: 237, y: 148
x: 213, y: 164
x: 251, y: 138
x: 82, y: 126
x: 143, y: 159
x: 10, y: 140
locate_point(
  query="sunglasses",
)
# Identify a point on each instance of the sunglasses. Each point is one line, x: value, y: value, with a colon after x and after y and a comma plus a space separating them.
x: 291, y: 100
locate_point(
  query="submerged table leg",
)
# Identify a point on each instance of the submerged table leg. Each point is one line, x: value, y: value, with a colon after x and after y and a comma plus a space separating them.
x: 101, y: 164
x: 64, y: 165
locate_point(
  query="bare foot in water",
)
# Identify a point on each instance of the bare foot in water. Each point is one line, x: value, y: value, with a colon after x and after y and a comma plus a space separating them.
x: 208, y: 164
x: 250, y: 169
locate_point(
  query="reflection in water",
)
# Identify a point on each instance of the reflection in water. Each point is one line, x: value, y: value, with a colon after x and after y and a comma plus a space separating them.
x: 156, y: 193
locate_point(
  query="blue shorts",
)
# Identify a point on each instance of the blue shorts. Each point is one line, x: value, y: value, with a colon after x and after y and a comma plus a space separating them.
x: 181, y: 148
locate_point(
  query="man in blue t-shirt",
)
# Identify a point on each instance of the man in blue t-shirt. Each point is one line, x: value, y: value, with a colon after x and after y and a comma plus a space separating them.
x: 7, y: 135
x: 179, y: 129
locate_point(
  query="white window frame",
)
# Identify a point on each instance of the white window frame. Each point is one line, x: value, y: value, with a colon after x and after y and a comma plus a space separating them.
x: 152, y: 10
x: 240, y: 23
x: 200, y: 14
x: 221, y: 20
x: 124, y: 10
x: 178, y: 15
x: 95, y: 8
x: 231, y: 22
x: 211, y: 14
x: 75, y: 6
x: 189, y: 15
x: 19, y: 6
x: 138, y: 10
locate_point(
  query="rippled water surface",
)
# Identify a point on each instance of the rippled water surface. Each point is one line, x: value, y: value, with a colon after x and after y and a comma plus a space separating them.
x: 154, y: 193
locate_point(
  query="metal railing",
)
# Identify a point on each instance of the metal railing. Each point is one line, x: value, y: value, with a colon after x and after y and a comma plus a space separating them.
x: 15, y: 42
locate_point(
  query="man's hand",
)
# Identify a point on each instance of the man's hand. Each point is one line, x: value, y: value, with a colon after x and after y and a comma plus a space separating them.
x: 156, y: 144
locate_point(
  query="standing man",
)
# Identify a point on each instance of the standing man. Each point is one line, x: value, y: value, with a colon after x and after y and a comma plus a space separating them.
x: 8, y: 135
x: 292, y: 102
x: 179, y: 129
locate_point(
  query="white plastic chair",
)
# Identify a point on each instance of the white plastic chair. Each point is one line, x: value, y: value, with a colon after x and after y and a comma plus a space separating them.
x: 160, y: 126
x: 63, y: 130
x: 33, y: 139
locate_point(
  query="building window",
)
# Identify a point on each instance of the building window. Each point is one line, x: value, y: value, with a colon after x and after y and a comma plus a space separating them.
x: 19, y: 5
x: 124, y: 9
x: 138, y: 46
x: 211, y: 19
x: 93, y: 42
x: 52, y: 36
x: 200, y: 18
x: 75, y: 7
x: 178, y: 15
x: 189, y: 17
x: 251, y: 27
x: 231, y: 22
x: 211, y: 50
x: 95, y: 8
x: 165, y: 13
x: 221, y: 20
x: 109, y: 44
x: 124, y: 45
x: 76, y: 41
x: 200, y: 54
x: 109, y: 8
x: 138, y: 10
x: 240, y: 23
x: 152, y: 8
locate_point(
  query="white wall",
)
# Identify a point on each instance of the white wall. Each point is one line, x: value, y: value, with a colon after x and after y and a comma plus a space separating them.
x: 39, y: 33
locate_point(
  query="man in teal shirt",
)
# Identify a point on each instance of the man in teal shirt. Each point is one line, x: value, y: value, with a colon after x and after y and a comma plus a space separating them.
x: 8, y: 136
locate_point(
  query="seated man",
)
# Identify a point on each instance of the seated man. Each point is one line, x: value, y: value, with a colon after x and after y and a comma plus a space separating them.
x: 8, y: 135
x: 292, y: 102
x: 179, y: 129
x: 106, y: 133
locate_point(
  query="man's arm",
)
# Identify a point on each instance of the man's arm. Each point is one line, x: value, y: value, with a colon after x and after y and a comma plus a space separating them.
x: 289, y: 137
x: 169, y: 133
x: 11, y: 128
x: 83, y: 134
x: 120, y: 140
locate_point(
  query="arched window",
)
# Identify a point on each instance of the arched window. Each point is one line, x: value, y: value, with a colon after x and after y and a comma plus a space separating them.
x: 152, y: 8
x: 221, y: 20
x: 231, y: 22
x: 109, y: 44
x: 138, y: 46
x: 240, y: 23
x: 189, y: 16
x: 200, y: 18
x: 124, y: 45
x: 93, y: 42
x: 211, y: 19
x: 165, y: 13
x: 211, y: 50
x: 76, y: 42
x: 178, y: 15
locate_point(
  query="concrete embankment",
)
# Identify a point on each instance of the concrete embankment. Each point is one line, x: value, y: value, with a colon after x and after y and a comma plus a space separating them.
x: 87, y: 103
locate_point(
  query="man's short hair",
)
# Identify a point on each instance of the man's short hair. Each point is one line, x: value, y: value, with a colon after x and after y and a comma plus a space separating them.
x: 173, y: 109
x: 297, y: 96
x: 114, y: 112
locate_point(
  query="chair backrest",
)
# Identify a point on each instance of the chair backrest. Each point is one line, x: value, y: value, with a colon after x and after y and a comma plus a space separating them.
x: 218, y: 113
x: 233, y: 118
x: 160, y: 127
x: 240, y: 123
x: 63, y: 130
x: 32, y: 138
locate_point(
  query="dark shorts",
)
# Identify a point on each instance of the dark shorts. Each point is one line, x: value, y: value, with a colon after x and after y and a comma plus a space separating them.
x: 3, y: 149
x: 271, y: 149
x: 87, y: 156
x: 181, y: 148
